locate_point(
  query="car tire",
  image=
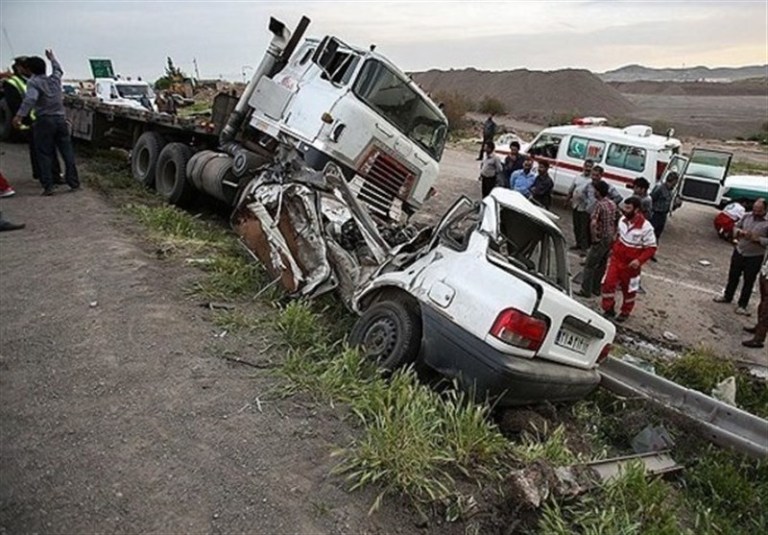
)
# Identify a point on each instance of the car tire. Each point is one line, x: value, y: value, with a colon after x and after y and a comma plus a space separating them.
x: 144, y: 158
x: 389, y: 333
x: 171, y: 181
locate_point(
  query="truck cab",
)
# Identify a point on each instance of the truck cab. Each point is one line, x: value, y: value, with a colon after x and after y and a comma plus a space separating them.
x: 355, y: 108
x: 134, y: 94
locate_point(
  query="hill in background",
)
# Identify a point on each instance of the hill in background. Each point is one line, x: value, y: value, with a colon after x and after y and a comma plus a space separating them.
x: 634, y: 73
x: 531, y: 94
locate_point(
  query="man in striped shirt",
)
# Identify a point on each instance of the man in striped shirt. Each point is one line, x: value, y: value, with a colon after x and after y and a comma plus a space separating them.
x: 603, y: 232
x: 635, y: 245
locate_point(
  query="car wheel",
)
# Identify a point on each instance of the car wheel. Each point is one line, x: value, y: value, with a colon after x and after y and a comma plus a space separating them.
x: 144, y: 157
x: 171, y: 173
x: 389, y: 333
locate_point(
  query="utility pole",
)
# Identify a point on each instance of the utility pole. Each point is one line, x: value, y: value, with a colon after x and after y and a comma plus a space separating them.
x: 197, y: 72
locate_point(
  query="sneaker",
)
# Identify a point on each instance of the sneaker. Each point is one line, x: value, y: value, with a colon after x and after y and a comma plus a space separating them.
x: 47, y: 192
x: 609, y: 314
x: 7, y: 193
x: 654, y: 259
x: 73, y: 189
x: 721, y: 299
x: 742, y: 311
x: 621, y: 318
x: 750, y: 330
x: 753, y: 343
x: 7, y: 225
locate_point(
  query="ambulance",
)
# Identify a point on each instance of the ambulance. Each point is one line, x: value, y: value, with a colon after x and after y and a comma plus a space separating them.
x: 623, y: 153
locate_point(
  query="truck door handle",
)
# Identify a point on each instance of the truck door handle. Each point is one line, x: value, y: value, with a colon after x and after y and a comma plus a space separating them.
x: 384, y: 130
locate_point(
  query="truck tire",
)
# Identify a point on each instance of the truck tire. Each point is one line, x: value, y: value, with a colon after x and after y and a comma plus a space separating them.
x: 171, y: 173
x: 6, y: 129
x: 389, y: 333
x: 144, y: 158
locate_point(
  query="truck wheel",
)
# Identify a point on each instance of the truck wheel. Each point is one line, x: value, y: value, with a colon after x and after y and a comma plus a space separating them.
x: 171, y: 173
x: 144, y: 157
x: 389, y: 333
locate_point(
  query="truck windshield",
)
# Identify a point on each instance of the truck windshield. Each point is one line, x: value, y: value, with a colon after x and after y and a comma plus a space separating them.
x: 134, y: 91
x: 392, y: 97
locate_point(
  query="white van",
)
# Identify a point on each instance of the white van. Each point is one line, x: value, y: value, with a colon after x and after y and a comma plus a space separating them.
x: 131, y: 94
x: 624, y: 154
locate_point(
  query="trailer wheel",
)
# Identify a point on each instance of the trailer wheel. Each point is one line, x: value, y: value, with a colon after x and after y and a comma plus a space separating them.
x: 171, y: 173
x: 389, y: 333
x: 144, y: 157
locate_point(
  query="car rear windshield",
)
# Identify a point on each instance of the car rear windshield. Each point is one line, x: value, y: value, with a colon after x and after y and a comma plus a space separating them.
x: 532, y: 246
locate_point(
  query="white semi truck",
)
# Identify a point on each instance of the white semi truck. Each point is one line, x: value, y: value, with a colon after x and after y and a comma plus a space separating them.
x: 331, y: 101
x: 323, y: 156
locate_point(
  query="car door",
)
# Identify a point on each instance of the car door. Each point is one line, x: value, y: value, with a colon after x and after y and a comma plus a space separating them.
x: 704, y: 176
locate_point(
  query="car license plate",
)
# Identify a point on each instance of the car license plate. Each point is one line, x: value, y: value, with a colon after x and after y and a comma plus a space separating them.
x: 572, y: 341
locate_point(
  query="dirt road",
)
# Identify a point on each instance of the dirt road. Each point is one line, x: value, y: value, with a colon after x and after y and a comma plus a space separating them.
x: 679, y: 288
x: 118, y: 413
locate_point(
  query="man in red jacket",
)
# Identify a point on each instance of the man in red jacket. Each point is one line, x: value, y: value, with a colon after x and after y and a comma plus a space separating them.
x: 634, y: 246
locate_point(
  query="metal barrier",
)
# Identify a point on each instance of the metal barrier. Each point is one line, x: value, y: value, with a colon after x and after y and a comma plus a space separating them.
x: 718, y: 422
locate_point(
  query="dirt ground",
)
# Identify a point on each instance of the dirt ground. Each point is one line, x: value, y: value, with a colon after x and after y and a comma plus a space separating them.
x: 117, y: 411
x: 679, y: 288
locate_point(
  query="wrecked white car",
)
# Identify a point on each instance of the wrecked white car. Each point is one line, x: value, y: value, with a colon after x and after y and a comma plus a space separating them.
x: 483, y: 297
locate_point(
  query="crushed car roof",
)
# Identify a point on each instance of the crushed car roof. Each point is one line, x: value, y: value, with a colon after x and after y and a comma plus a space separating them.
x: 515, y: 201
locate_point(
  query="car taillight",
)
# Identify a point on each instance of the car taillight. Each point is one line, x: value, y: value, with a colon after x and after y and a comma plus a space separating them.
x: 519, y: 329
x: 604, y: 353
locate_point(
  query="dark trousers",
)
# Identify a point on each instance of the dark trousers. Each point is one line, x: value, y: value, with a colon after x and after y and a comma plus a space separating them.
x: 487, y: 184
x: 749, y: 266
x: 594, y: 267
x: 658, y: 222
x: 51, y: 133
x: 36, y: 174
x: 581, y: 229
x: 761, y: 328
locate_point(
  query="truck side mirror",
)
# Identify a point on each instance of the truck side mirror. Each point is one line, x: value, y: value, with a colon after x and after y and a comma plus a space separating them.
x: 325, y: 52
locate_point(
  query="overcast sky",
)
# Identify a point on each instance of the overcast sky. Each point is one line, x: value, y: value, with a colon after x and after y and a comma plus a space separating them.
x: 225, y: 37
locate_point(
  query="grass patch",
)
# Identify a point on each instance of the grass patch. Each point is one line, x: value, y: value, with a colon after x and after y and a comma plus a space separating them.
x: 630, y: 504
x: 238, y: 320
x: 109, y: 172
x: 230, y: 275
x: 413, y: 439
x: 550, y: 446
x: 748, y: 168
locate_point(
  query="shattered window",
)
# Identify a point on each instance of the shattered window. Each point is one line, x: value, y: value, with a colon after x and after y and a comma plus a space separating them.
x: 546, y: 145
x: 342, y: 67
x: 456, y: 233
x: 532, y: 246
x: 402, y: 106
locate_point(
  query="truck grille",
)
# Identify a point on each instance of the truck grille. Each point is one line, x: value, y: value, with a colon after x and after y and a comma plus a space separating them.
x: 384, y: 180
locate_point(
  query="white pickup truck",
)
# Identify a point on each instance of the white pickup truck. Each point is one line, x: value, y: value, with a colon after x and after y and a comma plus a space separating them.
x: 482, y: 297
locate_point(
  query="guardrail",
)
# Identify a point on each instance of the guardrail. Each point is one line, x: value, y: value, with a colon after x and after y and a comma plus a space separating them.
x: 718, y: 422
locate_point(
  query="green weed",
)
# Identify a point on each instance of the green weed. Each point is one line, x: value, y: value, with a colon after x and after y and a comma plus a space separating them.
x: 230, y: 275
x: 631, y: 504
x: 300, y: 326
x: 747, y: 168
x: 551, y: 446
x: 238, y: 320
